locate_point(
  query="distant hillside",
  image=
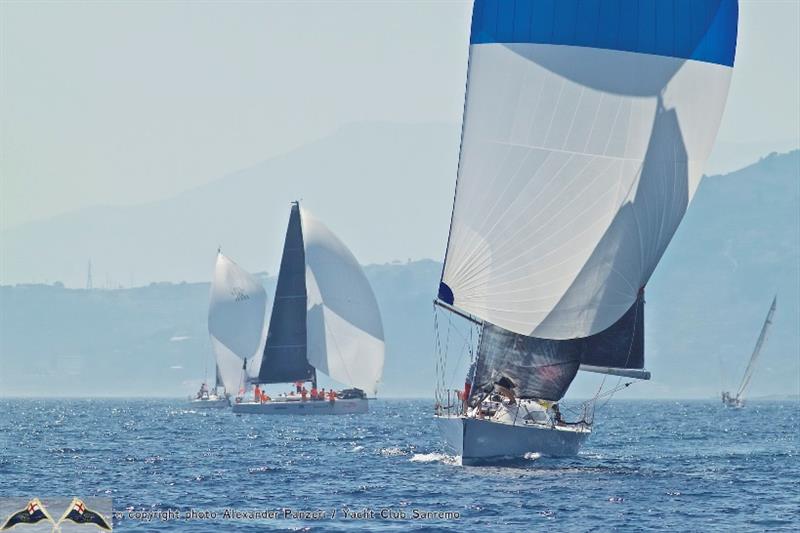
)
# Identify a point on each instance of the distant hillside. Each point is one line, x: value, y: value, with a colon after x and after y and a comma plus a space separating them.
x: 406, y: 170
x: 739, y: 244
x: 153, y: 340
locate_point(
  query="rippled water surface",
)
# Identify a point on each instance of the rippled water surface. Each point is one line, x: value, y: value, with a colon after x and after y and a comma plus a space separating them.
x: 649, y: 465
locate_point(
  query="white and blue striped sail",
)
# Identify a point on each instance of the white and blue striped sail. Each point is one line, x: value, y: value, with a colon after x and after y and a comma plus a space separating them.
x: 235, y: 322
x: 586, y: 127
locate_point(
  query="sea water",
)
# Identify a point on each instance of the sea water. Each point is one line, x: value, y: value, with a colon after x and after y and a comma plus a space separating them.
x: 649, y: 465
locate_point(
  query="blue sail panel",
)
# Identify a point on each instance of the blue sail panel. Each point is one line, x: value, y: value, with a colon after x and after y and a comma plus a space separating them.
x: 702, y: 30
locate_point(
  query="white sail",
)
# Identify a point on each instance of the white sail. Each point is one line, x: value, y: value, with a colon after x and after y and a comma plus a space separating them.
x: 762, y: 338
x: 344, y: 328
x: 235, y: 321
x: 579, y: 156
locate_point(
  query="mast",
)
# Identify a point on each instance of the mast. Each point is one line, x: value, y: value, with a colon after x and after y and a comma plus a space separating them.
x: 285, y: 356
x: 762, y: 337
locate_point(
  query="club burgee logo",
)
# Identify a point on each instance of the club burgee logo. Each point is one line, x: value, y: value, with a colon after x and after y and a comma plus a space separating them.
x: 33, y: 513
x: 78, y: 513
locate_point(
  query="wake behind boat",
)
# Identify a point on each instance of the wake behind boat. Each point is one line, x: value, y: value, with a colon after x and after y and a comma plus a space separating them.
x: 324, y: 318
x: 581, y: 148
x: 736, y: 401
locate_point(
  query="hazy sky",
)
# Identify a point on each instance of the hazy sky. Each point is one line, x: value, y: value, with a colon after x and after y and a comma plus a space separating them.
x: 126, y: 102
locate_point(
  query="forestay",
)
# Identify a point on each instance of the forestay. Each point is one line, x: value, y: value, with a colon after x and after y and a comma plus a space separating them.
x: 586, y: 126
x: 344, y: 328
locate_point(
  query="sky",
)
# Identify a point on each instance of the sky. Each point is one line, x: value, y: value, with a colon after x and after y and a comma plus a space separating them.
x: 121, y: 103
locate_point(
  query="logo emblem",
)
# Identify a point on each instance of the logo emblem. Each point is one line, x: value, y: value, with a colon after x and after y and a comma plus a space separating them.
x: 78, y: 513
x: 239, y: 294
x: 33, y: 513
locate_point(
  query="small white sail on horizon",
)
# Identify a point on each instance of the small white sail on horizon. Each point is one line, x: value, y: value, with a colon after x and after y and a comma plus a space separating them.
x: 738, y: 399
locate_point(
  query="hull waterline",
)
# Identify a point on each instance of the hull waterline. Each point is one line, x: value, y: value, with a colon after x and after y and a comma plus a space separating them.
x: 210, y: 404
x: 338, y: 407
x: 479, y: 441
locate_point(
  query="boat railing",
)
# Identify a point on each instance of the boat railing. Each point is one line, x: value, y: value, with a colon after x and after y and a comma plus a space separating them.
x: 452, y: 404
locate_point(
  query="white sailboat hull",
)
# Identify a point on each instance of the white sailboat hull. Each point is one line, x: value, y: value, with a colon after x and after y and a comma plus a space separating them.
x: 337, y: 407
x: 480, y: 441
x: 217, y: 403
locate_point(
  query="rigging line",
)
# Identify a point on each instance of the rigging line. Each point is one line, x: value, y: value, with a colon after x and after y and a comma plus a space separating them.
x: 465, y: 347
x: 438, y: 351
x: 470, y: 246
x: 555, y: 111
x: 553, y: 179
x: 469, y: 202
x: 627, y: 360
x: 478, y: 265
x: 574, y: 116
x: 490, y: 262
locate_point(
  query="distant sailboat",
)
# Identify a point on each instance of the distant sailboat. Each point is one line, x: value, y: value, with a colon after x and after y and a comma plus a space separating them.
x: 237, y: 304
x: 585, y: 130
x: 324, y: 318
x: 737, y: 401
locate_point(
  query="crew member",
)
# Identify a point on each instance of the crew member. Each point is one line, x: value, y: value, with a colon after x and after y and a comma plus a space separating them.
x: 505, y: 387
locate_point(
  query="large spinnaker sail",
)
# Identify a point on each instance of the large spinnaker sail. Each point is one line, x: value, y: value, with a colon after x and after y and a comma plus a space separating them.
x: 586, y: 127
x: 762, y: 337
x: 235, y: 320
x: 285, y: 358
x: 344, y: 328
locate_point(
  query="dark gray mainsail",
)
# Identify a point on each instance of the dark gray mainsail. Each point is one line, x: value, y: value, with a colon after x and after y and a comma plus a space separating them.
x: 285, y: 352
x: 621, y: 346
x: 539, y: 368
x: 528, y: 366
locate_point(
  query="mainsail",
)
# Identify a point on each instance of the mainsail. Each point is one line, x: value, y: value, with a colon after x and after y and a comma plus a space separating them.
x: 586, y: 126
x: 235, y: 320
x: 762, y: 337
x: 324, y: 315
x: 284, y: 357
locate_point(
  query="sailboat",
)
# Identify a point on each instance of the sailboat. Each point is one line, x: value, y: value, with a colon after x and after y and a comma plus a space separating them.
x: 237, y: 303
x: 215, y: 398
x: 324, y: 319
x: 585, y: 129
x: 737, y: 401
